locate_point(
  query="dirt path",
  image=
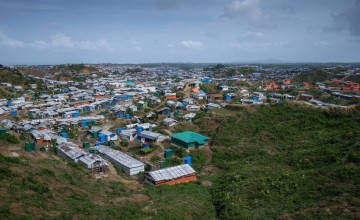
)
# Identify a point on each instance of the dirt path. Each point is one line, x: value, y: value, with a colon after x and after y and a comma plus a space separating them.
x: 187, y: 90
x: 113, y: 176
x: 156, y: 152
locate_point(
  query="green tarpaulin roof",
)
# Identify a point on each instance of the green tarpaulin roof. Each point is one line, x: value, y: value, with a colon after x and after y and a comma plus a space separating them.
x: 190, y: 137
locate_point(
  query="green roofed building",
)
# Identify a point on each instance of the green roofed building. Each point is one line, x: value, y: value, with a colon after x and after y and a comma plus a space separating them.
x: 189, y: 139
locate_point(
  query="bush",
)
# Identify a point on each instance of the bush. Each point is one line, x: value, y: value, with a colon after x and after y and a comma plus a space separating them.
x: 124, y: 143
x: 10, y: 139
x: 146, y: 150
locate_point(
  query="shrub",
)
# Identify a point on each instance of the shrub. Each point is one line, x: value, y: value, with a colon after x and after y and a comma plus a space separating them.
x: 10, y: 139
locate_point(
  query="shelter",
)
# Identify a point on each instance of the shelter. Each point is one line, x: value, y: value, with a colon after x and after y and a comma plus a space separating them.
x: 149, y: 136
x: 171, y: 176
x: 94, y: 162
x: 128, y: 164
x: 69, y: 152
x: 189, y: 139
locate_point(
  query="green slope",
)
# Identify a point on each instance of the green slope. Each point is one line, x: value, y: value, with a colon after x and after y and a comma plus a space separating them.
x: 281, y: 161
x: 50, y: 188
x: 284, y: 160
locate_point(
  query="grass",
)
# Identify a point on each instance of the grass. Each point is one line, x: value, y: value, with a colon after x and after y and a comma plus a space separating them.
x: 9, y: 139
x: 278, y: 161
x: 283, y: 158
x: 56, y: 189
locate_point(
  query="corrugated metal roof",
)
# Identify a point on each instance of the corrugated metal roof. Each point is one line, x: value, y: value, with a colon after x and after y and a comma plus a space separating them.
x: 150, y: 134
x: 71, y: 152
x: 120, y: 157
x: 172, y: 172
x: 190, y: 137
x: 90, y: 159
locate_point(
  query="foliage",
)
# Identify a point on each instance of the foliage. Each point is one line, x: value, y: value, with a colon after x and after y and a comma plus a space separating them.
x: 354, y: 78
x: 9, y: 139
x: 183, y: 201
x: 282, y: 158
x: 180, y: 95
x: 313, y: 76
x: 146, y: 150
x: 210, y: 88
x: 124, y: 143
x: 185, y: 126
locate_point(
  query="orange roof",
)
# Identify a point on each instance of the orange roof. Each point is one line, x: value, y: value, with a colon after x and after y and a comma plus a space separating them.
x: 196, y: 90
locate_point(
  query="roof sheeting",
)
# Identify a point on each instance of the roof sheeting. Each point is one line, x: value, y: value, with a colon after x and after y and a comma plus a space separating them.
x: 70, y: 151
x: 120, y: 157
x: 172, y: 172
x: 190, y: 137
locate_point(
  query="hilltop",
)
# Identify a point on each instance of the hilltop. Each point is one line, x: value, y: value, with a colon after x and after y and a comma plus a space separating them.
x: 62, y: 72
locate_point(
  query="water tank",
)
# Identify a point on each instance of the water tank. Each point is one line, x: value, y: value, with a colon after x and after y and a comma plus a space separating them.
x: 29, y: 146
x: 168, y: 153
x: 127, y: 116
x: 63, y: 134
x: 139, y: 129
x: 163, y: 164
x: 83, y: 123
x: 86, y: 145
x: 75, y: 114
x: 13, y: 112
x: 9, y: 103
x: 187, y: 160
x: 121, y: 114
x: 102, y: 138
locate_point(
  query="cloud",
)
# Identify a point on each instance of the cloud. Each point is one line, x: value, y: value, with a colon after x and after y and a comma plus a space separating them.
x: 347, y: 19
x: 244, y: 9
x: 9, y: 42
x: 61, y: 40
x: 167, y: 4
x: 192, y: 44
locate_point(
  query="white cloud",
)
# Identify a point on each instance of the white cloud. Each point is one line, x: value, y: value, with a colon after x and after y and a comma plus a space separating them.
x: 245, y: 9
x: 96, y: 45
x: 192, y: 44
x: 9, y: 42
x: 40, y: 44
x: 61, y: 40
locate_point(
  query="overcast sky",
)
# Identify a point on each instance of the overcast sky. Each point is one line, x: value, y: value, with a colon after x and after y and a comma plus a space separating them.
x: 146, y: 31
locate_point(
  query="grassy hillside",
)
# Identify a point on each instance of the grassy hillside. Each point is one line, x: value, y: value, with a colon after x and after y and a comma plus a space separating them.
x: 354, y: 78
x: 49, y: 188
x: 315, y: 76
x: 283, y: 160
x: 76, y: 68
x: 11, y: 76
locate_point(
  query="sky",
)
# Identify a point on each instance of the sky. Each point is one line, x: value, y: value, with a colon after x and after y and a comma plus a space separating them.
x: 198, y: 31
